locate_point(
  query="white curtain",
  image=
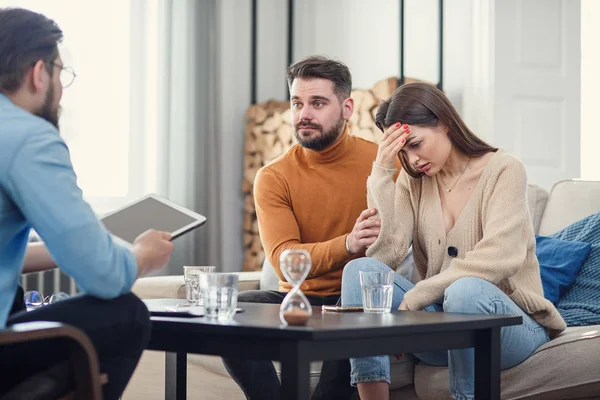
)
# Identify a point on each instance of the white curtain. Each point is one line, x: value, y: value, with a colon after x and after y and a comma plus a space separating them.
x: 170, y: 50
x: 173, y: 105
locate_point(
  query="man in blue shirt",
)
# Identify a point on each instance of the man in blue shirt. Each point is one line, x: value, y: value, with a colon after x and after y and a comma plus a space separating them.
x: 38, y: 189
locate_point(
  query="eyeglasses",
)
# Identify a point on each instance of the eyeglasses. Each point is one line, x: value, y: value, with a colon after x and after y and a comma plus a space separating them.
x: 34, y: 299
x: 67, y: 75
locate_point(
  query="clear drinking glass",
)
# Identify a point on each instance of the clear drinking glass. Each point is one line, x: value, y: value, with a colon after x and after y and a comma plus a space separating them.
x: 219, y: 292
x: 377, y: 291
x: 192, y: 284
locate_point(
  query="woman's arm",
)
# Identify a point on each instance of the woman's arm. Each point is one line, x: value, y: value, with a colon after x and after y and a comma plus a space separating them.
x: 391, y: 199
x: 394, y: 208
x: 37, y: 258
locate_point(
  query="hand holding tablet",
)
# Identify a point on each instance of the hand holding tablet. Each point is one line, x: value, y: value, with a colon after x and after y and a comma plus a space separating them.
x: 152, y: 250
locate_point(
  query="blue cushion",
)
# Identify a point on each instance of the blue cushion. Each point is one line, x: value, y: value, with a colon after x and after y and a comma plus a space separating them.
x: 560, y: 262
x: 580, y: 305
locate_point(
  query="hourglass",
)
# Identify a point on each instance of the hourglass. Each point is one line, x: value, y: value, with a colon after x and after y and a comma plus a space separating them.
x: 295, y: 308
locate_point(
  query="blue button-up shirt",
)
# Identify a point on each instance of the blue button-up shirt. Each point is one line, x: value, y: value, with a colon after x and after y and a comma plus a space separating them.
x: 38, y: 189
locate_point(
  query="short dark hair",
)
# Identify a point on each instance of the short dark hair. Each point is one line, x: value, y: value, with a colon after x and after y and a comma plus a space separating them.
x: 324, y: 68
x: 26, y: 37
x: 422, y: 104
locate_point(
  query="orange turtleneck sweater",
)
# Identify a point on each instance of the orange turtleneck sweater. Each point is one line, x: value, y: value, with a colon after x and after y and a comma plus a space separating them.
x: 310, y: 200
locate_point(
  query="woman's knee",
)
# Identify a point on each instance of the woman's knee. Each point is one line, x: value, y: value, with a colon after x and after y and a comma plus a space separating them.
x: 352, y: 269
x: 351, y: 292
x: 468, y: 294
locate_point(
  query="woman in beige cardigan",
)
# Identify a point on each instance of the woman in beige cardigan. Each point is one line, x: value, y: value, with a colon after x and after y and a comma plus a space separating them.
x: 462, y: 205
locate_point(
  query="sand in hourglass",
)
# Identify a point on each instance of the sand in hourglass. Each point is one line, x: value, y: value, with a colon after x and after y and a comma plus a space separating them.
x: 296, y: 317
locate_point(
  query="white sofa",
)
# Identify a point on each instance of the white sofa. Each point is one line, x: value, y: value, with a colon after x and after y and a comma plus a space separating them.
x: 568, y: 367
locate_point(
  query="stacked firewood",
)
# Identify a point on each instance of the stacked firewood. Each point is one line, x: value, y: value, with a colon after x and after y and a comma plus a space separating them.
x: 269, y: 134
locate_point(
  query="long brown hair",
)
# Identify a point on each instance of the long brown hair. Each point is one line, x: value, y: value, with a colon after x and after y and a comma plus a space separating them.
x: 423, y: 104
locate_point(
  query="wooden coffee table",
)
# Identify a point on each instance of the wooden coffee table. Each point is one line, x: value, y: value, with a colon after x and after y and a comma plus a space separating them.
x: 258, y: 334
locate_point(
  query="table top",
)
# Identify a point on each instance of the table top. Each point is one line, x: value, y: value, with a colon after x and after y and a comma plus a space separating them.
x: 263, y: 320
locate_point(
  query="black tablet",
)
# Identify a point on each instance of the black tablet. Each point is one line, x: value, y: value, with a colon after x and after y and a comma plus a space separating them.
x: 150, y: 212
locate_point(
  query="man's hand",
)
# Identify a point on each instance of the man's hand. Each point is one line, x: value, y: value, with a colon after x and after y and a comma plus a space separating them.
x: 152, y: 249
x: 403, y: 306
x: 365, y: 232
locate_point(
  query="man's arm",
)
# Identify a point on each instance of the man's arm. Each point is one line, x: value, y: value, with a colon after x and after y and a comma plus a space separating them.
x: 279, y: 229
x: 41, y: 181
x: 37, y: 258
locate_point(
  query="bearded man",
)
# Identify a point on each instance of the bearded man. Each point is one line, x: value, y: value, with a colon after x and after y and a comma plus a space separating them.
x: 38, y: 189
x: 313, y: 198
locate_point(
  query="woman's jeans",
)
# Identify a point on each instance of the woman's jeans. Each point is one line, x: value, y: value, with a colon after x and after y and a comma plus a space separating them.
x: 466, y: 295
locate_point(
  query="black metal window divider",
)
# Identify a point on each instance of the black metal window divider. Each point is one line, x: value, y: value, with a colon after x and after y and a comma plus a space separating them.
x: 290, y: 43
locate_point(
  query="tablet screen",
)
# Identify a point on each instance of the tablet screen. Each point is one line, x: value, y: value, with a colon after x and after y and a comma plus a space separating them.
x: 149, y: 213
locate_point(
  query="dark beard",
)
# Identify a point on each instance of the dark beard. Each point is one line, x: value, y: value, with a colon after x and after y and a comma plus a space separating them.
x: 46, y: 111
x: 324, y: 140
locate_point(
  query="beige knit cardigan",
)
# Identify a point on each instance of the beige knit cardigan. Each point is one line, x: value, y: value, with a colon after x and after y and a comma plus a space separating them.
x: 493, y: 235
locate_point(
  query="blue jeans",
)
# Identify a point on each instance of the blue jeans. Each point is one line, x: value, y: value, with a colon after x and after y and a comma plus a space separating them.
x: 466, y: 295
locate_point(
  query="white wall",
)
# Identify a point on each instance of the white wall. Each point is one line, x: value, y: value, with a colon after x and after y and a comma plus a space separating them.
x: 590, y: 89
x: 363, y: 34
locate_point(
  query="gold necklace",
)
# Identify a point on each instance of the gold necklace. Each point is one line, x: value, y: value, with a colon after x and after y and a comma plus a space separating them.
x: 457, y: 179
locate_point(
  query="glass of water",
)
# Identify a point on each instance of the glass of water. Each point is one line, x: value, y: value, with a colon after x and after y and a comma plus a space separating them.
x: 219, y: 292
x: 377, y: 291
x: 192, y: 284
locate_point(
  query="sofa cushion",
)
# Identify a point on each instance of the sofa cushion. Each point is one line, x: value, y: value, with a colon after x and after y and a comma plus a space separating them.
x: 173, y: 286
x: 569, y: 201
x: 268, y: 278
x: 537, y: 198
x: 560, y: 261
x: 160, y: 287
x: 569, y: 361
